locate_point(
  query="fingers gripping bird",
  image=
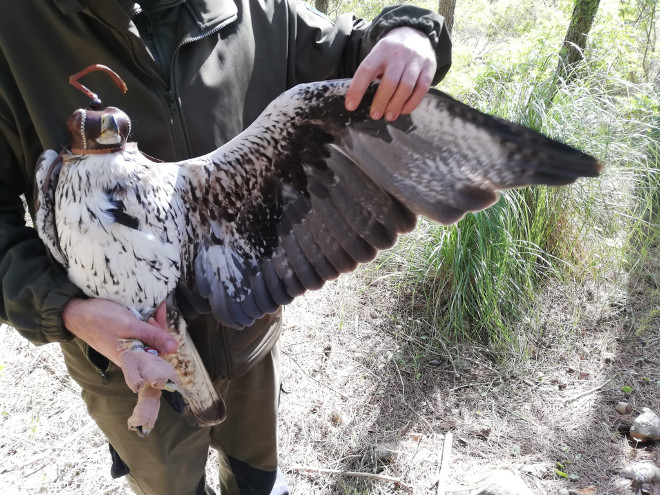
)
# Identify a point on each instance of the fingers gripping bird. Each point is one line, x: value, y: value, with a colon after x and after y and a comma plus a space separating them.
x: 304, y: 194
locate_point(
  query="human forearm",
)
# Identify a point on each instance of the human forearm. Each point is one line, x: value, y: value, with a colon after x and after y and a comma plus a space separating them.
x: 33, y: 290
x: 406, y: 48
x: 320, y: 49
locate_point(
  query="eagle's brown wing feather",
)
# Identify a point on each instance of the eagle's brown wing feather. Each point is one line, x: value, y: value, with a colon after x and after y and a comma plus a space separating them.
x: 311, y: 190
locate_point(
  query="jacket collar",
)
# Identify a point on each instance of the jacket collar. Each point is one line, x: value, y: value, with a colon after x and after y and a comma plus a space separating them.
x: 207, y: 13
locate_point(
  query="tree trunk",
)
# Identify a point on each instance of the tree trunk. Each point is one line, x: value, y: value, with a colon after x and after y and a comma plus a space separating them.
x: 648, y: 18
x: 446, y: 9
x: 322, y: 5
x: 576, y: 38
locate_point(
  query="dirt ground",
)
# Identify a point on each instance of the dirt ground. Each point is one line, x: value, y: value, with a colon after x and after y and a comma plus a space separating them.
x: 370, y: 388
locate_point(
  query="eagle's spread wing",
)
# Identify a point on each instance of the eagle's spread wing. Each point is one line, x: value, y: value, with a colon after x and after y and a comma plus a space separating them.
x: 310, y: 190
x: 47, y: 172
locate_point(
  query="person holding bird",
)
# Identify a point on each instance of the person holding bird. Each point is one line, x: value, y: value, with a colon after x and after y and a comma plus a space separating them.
x: 198, y: 72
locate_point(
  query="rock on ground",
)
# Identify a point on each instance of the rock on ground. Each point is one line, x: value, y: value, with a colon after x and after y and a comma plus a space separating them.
x: 505, y: 482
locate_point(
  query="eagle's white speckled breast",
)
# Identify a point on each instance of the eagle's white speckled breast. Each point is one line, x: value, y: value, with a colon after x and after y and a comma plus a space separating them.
x: 134, y: 262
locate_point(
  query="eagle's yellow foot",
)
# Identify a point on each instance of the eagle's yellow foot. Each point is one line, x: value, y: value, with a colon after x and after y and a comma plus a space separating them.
x: 146, y: 374
x: 145, y: 413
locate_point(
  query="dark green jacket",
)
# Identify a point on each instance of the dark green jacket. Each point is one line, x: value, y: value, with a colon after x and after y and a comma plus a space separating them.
x: 230, y: 59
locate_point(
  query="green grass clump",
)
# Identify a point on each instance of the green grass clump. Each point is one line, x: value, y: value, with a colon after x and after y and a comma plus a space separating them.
x: 477, y: 276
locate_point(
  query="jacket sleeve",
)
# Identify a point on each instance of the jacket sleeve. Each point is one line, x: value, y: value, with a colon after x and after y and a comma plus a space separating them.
x: 320, y: 49
x: 33, y: 289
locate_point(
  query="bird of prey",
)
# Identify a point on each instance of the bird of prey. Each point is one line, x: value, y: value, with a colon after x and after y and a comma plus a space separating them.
x: 304, y: 194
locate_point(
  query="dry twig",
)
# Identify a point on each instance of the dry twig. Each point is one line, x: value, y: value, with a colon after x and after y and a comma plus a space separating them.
x: 315, y: 380
x: 587, y: 392
x: 471, y: 384
x: 355, y: 474
x: 444, y: 464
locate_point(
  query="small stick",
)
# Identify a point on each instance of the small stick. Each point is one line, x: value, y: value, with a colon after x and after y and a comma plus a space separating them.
x: 476, y: 384
x: 528, y: 382
x: 317, y: 381
x: 444, y: 464
x: 355, y: 474
x: 590, y: 391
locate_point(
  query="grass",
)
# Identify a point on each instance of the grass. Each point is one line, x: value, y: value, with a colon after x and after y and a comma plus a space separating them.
x: 468, y: 273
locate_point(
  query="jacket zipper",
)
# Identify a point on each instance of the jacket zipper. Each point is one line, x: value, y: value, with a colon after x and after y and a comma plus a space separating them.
x: 103, y: 373
x: 129, y: 43
x: 181, y: 144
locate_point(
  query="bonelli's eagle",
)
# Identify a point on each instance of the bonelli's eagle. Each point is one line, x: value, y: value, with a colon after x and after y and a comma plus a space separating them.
x: 304, y: 194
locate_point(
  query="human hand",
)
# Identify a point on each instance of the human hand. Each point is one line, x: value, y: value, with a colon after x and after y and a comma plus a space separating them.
x: 104, y: 325
x: 405, y: 62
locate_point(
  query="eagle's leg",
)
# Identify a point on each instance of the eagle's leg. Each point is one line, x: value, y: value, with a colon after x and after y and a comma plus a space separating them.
x: 142, y: 366
x: 147, y: 375
x: 146, y: 410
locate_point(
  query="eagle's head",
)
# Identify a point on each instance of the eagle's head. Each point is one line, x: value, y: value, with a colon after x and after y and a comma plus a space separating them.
x: 99, y: 130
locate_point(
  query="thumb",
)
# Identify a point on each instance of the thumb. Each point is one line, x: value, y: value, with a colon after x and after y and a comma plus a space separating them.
x: 153, y: 335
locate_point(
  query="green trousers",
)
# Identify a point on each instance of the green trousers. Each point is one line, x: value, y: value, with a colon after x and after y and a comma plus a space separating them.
x: 172, y: 458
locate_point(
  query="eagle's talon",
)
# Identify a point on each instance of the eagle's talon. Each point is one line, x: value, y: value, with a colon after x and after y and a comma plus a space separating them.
x: 172, y: 387
x: 146, y: 374
x: 142, y: 431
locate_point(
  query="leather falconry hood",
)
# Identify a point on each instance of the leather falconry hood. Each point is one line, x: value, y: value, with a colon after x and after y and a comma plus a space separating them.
x: 98, y: 129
